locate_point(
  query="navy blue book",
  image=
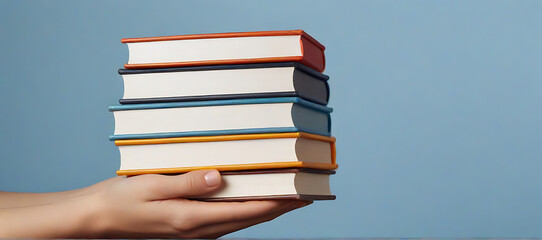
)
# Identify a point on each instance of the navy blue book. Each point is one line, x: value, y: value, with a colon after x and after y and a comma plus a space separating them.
x: 223, y: 82
x: 220, y: 117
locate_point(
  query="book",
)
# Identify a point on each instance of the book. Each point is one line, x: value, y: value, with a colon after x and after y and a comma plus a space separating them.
x: 220, y: 117
x: 223, y: 82
x: 306, y: 184
x: 226, y: 153
x: 225, y: 48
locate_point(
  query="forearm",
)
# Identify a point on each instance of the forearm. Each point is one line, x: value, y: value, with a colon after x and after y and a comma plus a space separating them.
x: 72, y: 218
x: 19, y: 199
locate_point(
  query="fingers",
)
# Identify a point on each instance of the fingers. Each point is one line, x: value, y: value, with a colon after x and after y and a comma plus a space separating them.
x: 158, y: 187
x: 219, y: 212
x: 218, y: 230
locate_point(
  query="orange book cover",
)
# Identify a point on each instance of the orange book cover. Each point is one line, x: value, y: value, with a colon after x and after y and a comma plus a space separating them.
x: 312, y: 52
x: 235, y: 167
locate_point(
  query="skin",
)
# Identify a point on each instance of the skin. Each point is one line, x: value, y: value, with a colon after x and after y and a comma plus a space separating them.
x: 146, y: 206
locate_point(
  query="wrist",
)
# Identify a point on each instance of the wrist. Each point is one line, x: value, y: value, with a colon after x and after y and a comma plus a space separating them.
x: 89, y: 220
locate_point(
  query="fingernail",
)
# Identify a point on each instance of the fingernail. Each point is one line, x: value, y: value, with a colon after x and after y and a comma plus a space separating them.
x: 212, y: 178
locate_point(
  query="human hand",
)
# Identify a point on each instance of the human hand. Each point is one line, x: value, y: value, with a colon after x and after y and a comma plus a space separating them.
x: 153, y: 206
x: 146, y: 206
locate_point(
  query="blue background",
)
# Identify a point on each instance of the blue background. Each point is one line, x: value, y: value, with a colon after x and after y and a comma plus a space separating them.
x: 437, y: 105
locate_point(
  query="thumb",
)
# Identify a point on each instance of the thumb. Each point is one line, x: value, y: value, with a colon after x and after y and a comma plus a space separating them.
x: 188, y: 184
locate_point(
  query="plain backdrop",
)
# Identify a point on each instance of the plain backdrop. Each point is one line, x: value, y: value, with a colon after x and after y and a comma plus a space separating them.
x: 437, y: 105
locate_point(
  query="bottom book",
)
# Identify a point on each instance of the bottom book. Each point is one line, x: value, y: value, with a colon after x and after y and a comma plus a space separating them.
x: 295, y: 183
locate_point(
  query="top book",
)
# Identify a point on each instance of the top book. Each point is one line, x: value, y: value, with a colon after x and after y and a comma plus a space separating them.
x: 225, y: 48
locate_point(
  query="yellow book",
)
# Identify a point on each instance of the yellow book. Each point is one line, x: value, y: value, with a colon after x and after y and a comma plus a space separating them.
x: 227, y: 153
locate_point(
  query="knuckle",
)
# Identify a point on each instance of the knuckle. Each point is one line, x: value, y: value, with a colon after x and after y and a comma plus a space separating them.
x: 154, y: 187
x: 183, y: 225
x: 191, y: 185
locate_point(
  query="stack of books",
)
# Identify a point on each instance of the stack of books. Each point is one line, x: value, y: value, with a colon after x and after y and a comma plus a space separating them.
x: 251, y: 105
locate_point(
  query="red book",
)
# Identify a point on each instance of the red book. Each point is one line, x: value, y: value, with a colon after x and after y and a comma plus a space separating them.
x: 225, y: 48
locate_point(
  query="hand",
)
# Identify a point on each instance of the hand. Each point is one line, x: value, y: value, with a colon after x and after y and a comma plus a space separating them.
x: 151, y: 206
x: 146, y: 206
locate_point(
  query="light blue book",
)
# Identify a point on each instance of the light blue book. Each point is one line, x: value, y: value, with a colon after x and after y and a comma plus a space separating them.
x: 220, y: 117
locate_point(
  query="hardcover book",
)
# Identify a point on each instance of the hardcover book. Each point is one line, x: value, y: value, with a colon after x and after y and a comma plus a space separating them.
x: 224, y: 117
x: 225, y: 48
x: 226, y: 153
x: 223, y: 82
x: 306, y: 184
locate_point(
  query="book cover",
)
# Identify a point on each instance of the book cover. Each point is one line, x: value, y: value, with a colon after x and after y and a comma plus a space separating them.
x: 224, y: 117
x: 230, y: 153
x: 224, y: 82
x: 311, y: 52
x: 239, y: 186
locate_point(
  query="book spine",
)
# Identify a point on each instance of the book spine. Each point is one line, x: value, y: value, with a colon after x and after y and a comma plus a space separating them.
x: 313, y: 56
